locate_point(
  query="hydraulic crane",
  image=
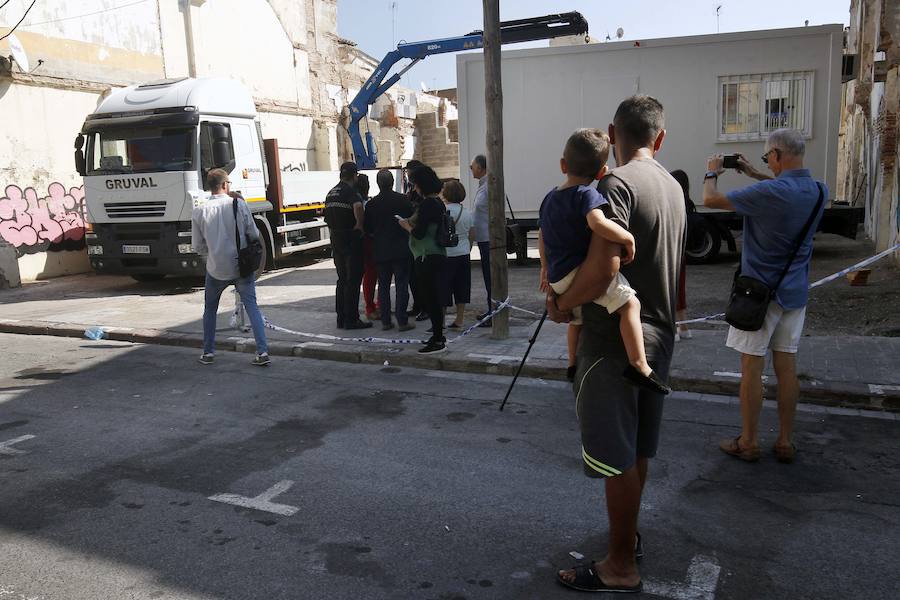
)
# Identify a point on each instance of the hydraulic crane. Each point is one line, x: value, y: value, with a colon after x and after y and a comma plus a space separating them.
x: 511, y: 32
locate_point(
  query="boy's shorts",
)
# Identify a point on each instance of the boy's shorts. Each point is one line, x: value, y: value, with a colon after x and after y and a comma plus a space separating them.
x: 617, y: 294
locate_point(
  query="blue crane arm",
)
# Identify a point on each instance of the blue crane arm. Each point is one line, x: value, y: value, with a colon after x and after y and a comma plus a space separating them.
x: 521, y: 30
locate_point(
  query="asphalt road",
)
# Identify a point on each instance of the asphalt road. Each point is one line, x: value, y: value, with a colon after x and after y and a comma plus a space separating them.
x: 379, y: 482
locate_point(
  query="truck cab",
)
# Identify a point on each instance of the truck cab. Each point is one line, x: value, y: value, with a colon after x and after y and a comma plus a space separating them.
x: 144, y: 155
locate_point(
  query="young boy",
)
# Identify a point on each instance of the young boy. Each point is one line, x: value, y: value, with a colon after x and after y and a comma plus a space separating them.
x: 568, y: 215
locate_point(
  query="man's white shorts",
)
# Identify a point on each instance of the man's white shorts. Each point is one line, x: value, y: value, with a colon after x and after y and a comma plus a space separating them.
x: 780, y: 332
x: 617, y: 294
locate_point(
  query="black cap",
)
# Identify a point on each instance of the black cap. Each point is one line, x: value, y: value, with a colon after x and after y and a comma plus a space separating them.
x: 349, y: 168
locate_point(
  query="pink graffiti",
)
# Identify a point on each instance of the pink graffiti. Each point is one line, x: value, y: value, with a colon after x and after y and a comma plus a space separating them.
x: 32, y: 224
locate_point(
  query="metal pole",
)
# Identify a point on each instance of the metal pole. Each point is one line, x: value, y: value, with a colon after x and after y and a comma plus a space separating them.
x: 537, y: 330
x: 493, y: 100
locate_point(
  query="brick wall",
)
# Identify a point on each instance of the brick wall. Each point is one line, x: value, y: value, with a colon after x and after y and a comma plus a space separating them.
x: 437, y: 146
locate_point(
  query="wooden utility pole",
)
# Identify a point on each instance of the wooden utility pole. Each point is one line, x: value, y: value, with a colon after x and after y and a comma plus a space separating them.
x: 493, y: 100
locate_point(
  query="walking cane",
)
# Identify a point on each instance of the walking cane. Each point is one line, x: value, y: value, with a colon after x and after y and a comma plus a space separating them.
x: 524, y: 358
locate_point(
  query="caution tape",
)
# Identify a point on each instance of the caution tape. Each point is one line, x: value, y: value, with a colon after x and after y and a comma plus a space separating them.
x: 374, y: 339
x: 855, y: 267
x: 813, y: 285
x: 237, y: 317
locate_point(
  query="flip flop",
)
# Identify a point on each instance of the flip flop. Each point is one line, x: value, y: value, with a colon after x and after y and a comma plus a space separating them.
x: 733, y: 448
x: 587, y: 580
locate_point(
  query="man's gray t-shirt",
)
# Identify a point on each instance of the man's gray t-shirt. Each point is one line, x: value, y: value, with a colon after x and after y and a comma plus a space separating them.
x: 647, y: 201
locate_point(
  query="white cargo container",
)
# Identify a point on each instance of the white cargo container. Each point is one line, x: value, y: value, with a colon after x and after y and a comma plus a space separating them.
x: 722, y: 94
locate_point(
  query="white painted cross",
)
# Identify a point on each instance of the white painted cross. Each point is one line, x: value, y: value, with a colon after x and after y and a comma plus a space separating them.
x: 701, y: 582
x: 263, y: 501
x: 7, y: 450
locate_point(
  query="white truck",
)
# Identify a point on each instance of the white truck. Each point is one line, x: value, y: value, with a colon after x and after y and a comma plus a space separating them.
x: 721, y: 93
x: 144, y: 155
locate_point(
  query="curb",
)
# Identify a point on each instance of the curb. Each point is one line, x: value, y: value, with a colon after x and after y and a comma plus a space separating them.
x: 826, y: 393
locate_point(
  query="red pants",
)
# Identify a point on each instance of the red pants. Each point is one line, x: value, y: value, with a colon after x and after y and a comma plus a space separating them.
x: 370, y: 275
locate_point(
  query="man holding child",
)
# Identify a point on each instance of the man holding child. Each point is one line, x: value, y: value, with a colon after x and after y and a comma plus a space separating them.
x: 620, y: 421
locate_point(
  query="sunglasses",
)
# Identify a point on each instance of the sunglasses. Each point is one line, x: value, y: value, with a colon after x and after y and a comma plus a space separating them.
x: 765, y: 157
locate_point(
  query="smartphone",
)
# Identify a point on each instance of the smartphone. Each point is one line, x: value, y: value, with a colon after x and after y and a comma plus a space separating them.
x: 399, y: 218
x: 730, y: 161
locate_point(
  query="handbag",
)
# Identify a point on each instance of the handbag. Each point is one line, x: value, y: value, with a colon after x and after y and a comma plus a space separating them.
x: 250, y: 256
x: 446, y: 235
x: 750, y: 297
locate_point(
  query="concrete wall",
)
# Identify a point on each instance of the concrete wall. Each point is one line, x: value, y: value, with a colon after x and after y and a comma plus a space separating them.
x: 549, y: 92
x: 868, y: 167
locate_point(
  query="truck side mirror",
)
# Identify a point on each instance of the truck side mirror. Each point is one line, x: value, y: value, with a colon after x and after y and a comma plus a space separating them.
x: 222, y: 151
x: 222, y: 154
x: 80, y: 166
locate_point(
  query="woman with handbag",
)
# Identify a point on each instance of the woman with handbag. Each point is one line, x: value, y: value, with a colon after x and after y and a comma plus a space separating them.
x: 456, y: 281
x: 428, y: 254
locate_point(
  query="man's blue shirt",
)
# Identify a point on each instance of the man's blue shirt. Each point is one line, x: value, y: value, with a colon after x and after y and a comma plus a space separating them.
x: 564, y: 228
x: 774, y: 212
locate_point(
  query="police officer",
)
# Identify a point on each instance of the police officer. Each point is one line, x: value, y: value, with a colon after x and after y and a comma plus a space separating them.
x: 344, y: 217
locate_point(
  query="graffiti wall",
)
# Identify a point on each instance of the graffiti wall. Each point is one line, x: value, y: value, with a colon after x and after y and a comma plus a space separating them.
x: 34, y: 223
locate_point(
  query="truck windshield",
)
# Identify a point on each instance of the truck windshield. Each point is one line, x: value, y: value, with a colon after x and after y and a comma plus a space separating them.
x: 144, y: 150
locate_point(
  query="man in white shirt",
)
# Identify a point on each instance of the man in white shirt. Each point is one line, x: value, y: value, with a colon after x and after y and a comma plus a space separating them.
x: 481, y: 227
x: 213, y: 235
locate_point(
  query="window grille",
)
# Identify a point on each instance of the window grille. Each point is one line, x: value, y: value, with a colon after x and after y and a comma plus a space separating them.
x: 752, y: 106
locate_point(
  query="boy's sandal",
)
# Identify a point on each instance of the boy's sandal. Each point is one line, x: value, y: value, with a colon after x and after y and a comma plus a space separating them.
x: 733, y: 448
x: 588, y: 580
x: 785, y: 454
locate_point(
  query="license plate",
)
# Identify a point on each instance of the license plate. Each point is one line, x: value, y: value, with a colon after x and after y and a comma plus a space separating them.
x: 127, y: 249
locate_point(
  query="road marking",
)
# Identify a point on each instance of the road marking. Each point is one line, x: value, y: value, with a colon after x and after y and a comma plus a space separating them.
x: 6, y: 450
x: 875, y: 388
x: 495, y: 359
x: 263, y: 501
x: 700, y: 584
x: 735, y: 375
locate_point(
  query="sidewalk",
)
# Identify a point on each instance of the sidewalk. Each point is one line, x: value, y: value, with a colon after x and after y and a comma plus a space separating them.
x: 858, y: 372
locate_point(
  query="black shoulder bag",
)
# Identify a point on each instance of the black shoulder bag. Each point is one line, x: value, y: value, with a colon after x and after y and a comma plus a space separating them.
x: 446, y: 235
x: 250, y: 256
x: 750, y: 297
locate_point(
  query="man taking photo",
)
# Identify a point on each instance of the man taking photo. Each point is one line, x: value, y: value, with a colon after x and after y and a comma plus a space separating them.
x: 775, y: 211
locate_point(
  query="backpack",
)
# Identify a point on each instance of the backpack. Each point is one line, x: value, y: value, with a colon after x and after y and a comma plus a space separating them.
x: 445, y: 235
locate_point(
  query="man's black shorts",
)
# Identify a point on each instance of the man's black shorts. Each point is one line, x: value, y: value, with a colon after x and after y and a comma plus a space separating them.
x: 618, y: 421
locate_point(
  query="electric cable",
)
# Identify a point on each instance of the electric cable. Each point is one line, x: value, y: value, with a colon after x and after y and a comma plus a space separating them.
x: 4, y: 4
x: 10, y: 32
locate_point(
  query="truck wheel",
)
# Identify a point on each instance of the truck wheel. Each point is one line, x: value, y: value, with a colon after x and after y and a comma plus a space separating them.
x: 703, y: 242
x: 264, y: 262
x: 147, y: 277
x: 521, y: 248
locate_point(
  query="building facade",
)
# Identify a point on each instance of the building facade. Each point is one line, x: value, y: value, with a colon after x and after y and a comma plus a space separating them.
x: 867, y: 166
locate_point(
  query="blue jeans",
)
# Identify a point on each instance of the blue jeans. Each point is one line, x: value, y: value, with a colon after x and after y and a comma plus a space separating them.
x: 247, y: 290
x: 398, y: 269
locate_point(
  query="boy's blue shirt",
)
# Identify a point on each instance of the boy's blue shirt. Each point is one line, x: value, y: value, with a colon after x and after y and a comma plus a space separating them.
x: 564, y: 228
